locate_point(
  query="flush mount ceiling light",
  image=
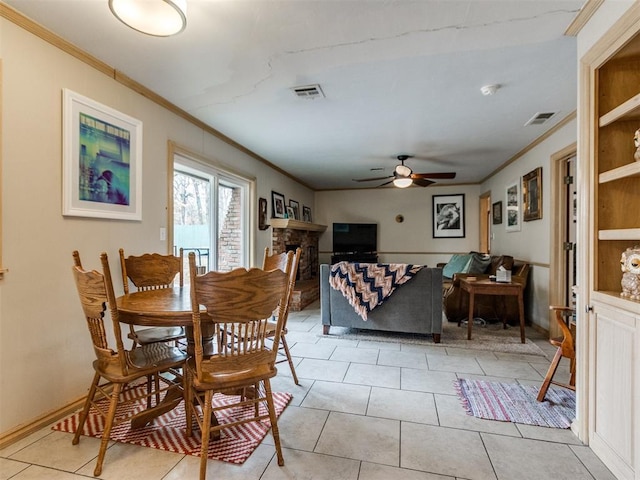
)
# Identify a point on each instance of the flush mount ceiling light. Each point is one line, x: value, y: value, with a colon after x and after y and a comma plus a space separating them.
x: 403, y: 182
x: 160, y: 18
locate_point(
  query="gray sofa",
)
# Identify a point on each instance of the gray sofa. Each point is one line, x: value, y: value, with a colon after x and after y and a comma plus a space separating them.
x: 415, y: 307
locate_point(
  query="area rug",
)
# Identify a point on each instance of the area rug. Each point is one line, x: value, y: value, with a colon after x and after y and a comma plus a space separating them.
x: 491, y: 337
x: 512, y: 402
x: 168, y: 432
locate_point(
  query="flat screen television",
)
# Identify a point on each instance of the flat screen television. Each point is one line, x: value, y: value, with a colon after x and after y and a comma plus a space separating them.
x: 355, y: 237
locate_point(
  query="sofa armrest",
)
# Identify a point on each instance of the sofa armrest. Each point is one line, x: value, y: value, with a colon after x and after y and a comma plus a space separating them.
x: 520, y: 273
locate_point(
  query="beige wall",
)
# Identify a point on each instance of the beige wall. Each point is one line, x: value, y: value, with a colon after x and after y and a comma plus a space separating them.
x: 408, y: 242
x: 532, y: 242
x: 45, y: 356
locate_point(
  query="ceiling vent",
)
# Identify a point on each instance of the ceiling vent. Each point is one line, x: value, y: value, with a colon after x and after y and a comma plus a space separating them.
x: 308, y: 91
x: 540, y: 118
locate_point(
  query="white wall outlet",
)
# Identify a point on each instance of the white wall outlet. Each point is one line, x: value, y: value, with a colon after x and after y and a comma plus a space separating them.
x: 163, y: 234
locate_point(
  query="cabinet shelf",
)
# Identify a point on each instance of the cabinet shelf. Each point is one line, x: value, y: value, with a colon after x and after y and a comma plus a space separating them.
x: 629, y: 110
x: 615, y: 300
x: 626, y: 171
x: 619, y: 234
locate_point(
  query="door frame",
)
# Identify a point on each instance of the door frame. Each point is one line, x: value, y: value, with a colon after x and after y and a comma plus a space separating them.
x: 559, y: 217
x: 484, y: 205
x: 173, y: 150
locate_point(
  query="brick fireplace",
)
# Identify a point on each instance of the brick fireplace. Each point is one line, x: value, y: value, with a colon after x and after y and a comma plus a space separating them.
x: 290, y: 234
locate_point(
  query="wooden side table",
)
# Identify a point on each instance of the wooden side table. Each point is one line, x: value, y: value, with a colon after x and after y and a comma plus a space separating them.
x: 488, y: 287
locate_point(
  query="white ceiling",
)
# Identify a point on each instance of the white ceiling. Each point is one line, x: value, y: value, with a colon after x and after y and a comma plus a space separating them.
x: 400, y: 77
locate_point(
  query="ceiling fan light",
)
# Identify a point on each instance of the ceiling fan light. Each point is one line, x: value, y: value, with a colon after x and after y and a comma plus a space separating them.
x: 402, y: 182
x: 403, y: 171
x: 160, y: 18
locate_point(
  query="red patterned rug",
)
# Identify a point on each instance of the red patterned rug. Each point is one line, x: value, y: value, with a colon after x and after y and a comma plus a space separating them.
x: 168, y: 432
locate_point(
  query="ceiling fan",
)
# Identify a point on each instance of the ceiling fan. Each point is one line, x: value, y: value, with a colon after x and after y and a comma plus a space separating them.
x: 404, y: 177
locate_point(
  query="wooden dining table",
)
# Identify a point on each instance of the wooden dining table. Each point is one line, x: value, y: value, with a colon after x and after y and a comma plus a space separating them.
x: 165, y: 307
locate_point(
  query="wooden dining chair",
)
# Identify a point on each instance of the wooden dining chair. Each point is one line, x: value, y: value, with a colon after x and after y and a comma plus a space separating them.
x: 118, y: 370
x: 280, y: 261
x: 566, y: 349
x: 152, y: 271
x: 239, y: 303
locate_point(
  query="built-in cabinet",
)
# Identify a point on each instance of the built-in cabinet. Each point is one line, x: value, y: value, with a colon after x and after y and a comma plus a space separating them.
x: 611, y: 94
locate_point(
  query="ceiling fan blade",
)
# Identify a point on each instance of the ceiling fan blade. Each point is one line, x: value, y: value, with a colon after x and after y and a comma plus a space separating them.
x: 422, y: 182
x: 385, y: 183
x: 443, y: 175
x: 371, y: 179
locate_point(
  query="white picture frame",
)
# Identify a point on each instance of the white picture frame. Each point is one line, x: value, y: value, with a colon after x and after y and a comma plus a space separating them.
x: 102, y: 161
x: 513, y: 219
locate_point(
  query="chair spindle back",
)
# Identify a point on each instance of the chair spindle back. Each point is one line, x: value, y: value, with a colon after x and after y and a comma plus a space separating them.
x: 151, y: 271
x: 240, y: 303
x: 96, y: 294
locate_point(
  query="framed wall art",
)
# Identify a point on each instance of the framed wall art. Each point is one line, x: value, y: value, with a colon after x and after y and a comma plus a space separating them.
x: 532, y: 195
x: 277, y: 203
x: 262, y: 214
x: 102, y: 160
x: 448, y: 216
x: 513, y: 206
x: 296, y: 209
x: 306, y: 214
x: 496, y: 213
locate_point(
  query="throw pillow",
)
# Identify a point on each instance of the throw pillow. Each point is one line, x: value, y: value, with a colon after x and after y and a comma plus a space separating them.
x: 457, y: 264
x: 478, y: 263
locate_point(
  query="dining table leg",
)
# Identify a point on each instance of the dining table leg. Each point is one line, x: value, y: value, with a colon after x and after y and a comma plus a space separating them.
x: 208, y: 343
x: 170, y: 401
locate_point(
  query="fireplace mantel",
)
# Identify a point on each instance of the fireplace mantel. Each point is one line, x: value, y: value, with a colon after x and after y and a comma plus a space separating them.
x: 288, y: 232
x: 291, y: 224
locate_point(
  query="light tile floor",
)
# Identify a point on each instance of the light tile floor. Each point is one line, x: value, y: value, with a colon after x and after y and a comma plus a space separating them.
x: 363, y: 411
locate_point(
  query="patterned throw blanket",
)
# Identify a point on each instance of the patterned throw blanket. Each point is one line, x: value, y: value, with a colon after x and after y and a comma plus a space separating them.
x: 367, y: 285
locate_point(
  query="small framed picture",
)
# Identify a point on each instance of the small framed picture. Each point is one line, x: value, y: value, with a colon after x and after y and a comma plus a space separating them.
x: 290, y: 213
x: 306, y: 214
x: 496, y: 213
x: 262, y: 214
x: 277, y: 202
x: 513, y: 206
x: 448, y: 216
x: 296, y: 209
